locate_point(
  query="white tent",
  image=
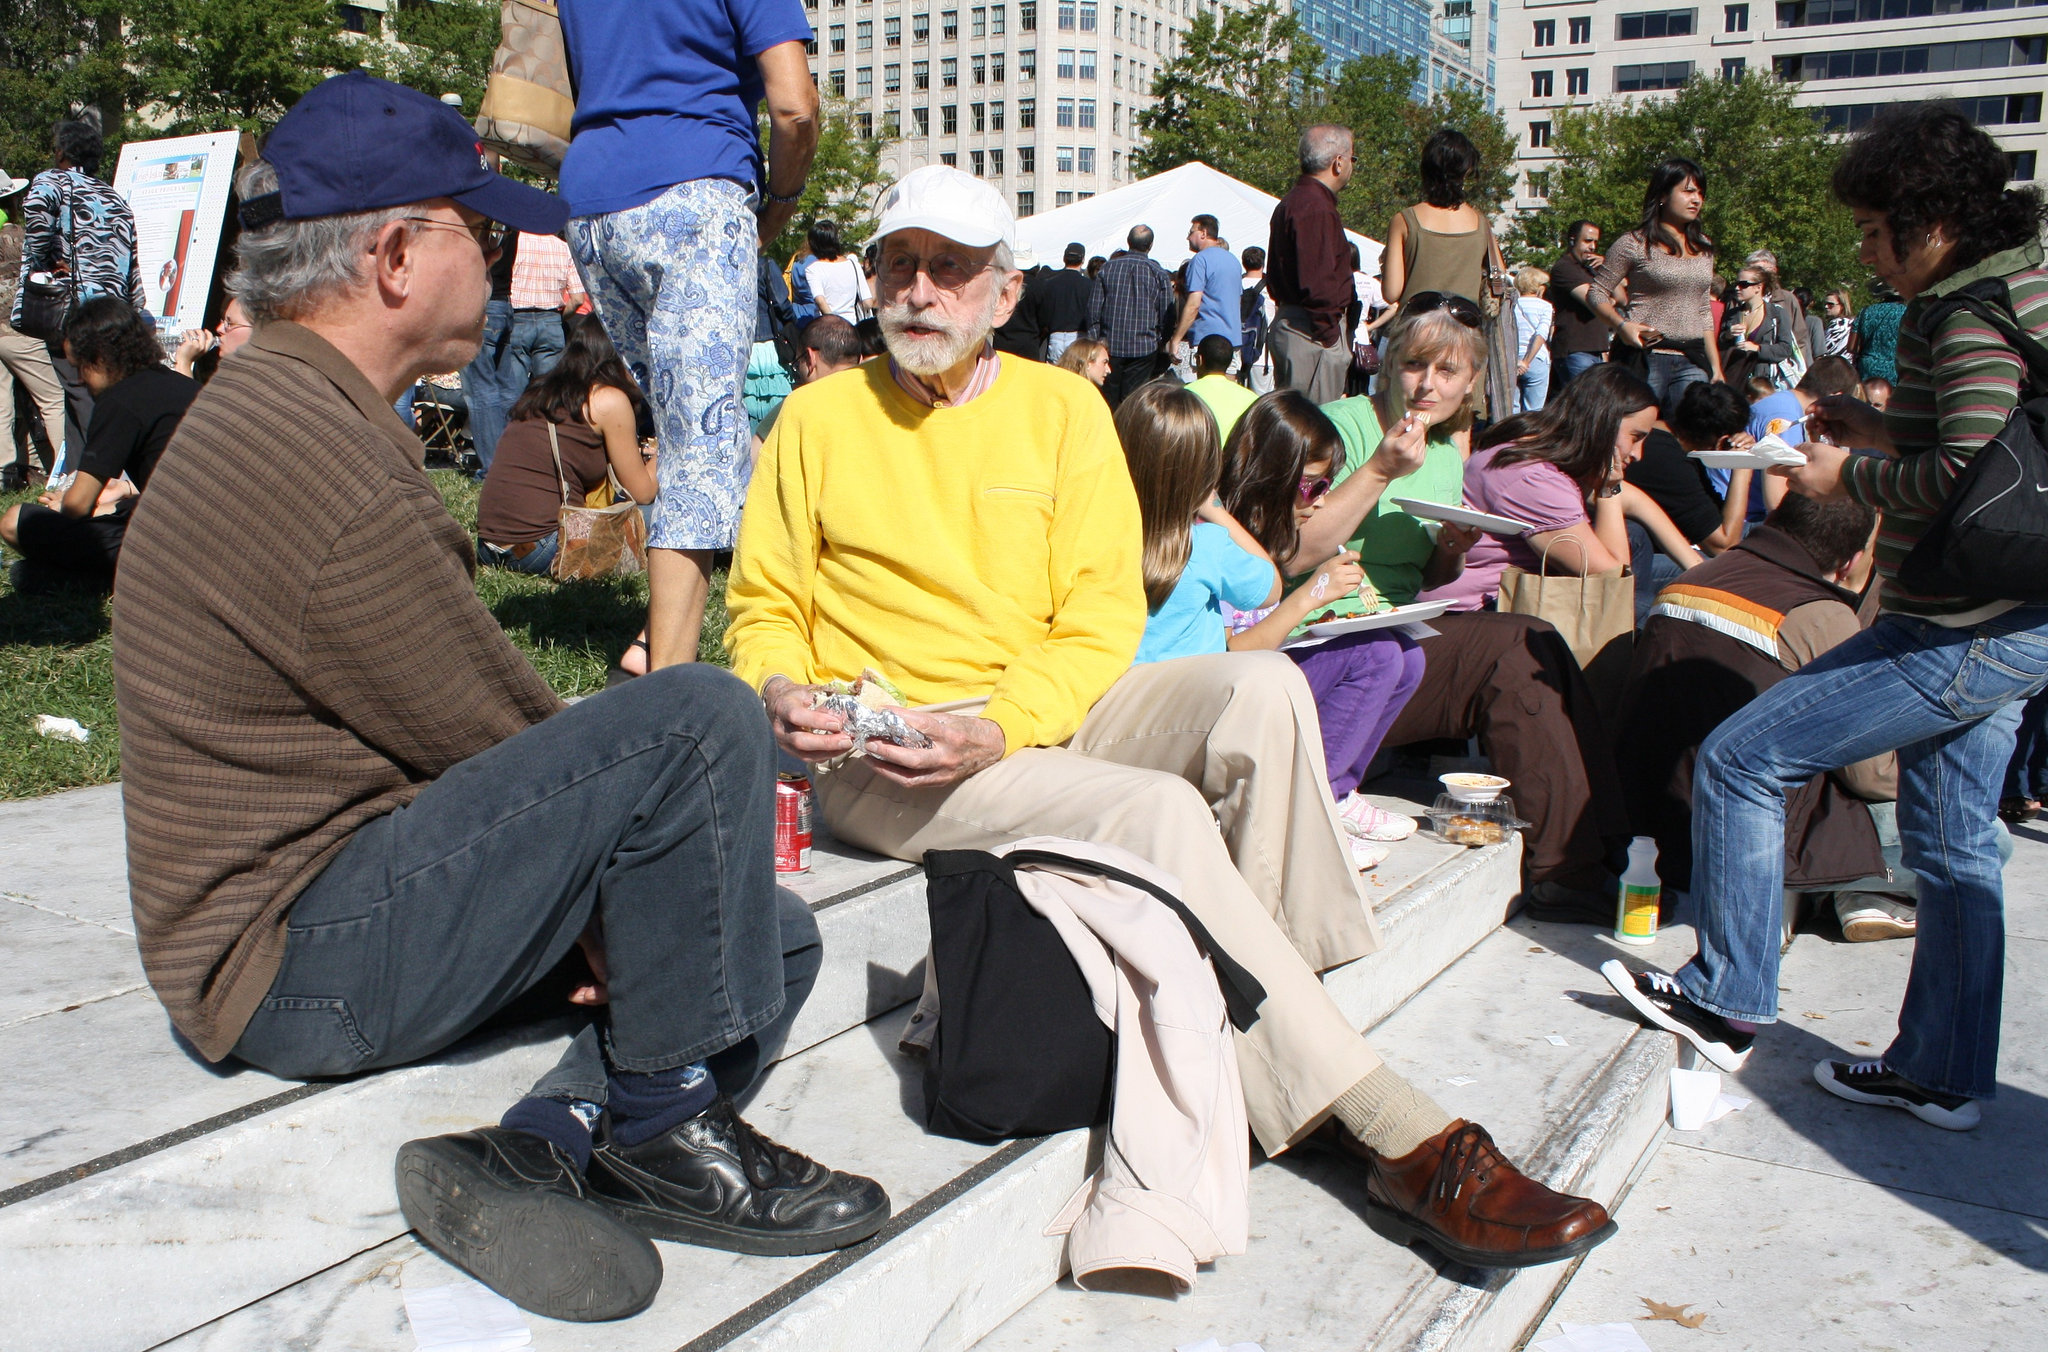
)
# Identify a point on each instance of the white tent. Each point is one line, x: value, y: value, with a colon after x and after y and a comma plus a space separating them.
x: 1166, y: 202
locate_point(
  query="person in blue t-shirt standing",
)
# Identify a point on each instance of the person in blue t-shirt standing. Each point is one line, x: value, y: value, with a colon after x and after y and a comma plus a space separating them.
x: 1215, y: 290
x: 669, y: 206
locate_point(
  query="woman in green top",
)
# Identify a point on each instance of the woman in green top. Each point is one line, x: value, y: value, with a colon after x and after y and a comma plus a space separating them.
x: 1508, y: 680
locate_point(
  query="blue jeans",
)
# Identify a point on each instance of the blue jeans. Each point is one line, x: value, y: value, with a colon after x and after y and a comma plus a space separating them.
x: 1533, y: 386
x: 2027, y: 775
x: 1669, y: 374
x: 539, y: 561
x: 518, y: 345
x: 1652, y: 568
x: 1575, y: 363
x: 1947, y: 700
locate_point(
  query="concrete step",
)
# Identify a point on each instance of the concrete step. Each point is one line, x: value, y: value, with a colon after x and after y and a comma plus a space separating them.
x: 962, y: 1254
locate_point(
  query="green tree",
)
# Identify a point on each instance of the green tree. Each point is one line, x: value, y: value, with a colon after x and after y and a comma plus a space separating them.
x: 1767, y: 163
x: 1235, y: 98
x: 846, y: 178
x: 208, y: 65
x: 55, y: 54
x: 442, y: 47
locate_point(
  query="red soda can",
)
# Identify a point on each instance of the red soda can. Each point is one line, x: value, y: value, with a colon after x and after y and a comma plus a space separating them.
x: 792, y: 824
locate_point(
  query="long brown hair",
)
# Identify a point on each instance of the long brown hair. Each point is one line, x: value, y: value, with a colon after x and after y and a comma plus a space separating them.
x: 588, y: 360
x: 1277, y: 437
x: 1170, y: 443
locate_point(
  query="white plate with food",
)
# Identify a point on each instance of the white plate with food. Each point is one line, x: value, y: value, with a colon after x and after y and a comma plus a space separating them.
x: 1413, y: 613
x: 1769, y: 452
x: 1463, y: 516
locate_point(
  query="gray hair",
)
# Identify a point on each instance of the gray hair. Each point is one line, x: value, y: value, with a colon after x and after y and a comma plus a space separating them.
x: 1321, y: 144
x: 285, y: 270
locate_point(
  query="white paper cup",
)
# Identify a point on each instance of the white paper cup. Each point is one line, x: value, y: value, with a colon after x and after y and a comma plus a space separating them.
x: 1692, y: 1097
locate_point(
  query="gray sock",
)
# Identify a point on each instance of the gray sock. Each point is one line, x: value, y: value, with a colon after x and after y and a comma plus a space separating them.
x: 1389, y: 1114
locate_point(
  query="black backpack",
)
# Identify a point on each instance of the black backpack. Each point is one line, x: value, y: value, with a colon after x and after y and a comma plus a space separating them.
x: 1251, y: 318
x: 1019, y: 1050
x: 1989, y: 541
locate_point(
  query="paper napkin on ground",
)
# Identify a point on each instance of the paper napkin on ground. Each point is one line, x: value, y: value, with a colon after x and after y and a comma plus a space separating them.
x: 465, y: 1316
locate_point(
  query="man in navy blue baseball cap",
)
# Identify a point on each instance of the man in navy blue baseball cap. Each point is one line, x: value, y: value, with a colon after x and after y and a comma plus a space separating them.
x: 357, y: 143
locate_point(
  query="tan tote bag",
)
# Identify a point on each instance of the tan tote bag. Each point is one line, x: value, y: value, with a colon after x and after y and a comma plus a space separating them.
x: 596, y: 541
x: 1595, y: 615
x: 529, y: 101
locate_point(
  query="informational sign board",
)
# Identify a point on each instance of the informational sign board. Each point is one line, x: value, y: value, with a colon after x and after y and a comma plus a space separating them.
x: 178, y: 189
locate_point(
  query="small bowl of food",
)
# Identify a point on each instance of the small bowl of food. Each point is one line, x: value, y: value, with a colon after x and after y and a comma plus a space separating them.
x: 1474, y: 825
x: 1468, y: 786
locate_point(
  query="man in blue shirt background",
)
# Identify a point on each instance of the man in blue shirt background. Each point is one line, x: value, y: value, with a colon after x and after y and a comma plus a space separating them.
x: 1215, y: 289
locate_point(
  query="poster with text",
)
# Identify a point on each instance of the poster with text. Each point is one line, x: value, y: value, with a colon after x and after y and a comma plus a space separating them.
x: 178, y: 189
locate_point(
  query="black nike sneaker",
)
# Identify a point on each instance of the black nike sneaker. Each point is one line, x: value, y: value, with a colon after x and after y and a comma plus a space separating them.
x: 714, y: 1180
x: 1661, y: 1003
x: 1875, y: 1082
x: 513, y: 1212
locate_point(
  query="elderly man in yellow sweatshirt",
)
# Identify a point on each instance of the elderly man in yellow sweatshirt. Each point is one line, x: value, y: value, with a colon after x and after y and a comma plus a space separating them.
x: 963, y: 522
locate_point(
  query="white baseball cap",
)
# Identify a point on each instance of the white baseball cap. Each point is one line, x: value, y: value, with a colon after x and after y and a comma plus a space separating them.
x: 950, y: 202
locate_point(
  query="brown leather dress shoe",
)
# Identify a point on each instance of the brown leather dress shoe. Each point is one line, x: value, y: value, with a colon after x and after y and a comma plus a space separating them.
x: 1458, y: 1193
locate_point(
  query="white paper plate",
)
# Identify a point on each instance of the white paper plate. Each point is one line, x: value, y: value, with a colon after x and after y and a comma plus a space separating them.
x: 1743, y: 460
x: 1463, y: 516
x: 1409, y: 614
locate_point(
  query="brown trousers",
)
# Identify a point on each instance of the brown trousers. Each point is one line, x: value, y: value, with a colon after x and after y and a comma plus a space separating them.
x: 1511, y: 681
x: 1174, y: 751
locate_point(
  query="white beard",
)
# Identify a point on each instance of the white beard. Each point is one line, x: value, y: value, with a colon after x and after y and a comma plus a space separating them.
x: 931, y: 354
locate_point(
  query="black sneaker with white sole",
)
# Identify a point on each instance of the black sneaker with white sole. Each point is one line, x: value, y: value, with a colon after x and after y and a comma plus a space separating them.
x: 1875, y: 1082
x: 1660, y: 1002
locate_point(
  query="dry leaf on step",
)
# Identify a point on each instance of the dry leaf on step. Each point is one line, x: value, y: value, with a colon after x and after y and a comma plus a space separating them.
x: 1675, y: 1313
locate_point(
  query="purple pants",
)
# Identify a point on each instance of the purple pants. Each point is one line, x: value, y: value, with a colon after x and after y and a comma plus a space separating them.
x: 1360, y: 682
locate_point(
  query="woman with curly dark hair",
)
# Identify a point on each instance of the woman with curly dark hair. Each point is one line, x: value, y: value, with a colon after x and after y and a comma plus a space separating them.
x: 73, y: 535
x: 1939, y: 678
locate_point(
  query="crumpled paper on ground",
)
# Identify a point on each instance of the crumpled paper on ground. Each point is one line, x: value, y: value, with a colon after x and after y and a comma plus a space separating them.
x: 465, y: 1316
x: 63, y: 729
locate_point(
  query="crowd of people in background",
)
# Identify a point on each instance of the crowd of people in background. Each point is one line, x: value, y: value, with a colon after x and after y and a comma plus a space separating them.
x: 1103, y: 608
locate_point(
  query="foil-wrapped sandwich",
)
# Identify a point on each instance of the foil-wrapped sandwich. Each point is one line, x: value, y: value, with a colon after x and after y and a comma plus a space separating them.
x: 865, y: 705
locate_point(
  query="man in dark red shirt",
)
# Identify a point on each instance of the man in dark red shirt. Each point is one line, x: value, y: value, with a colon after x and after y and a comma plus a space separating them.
x: 1308, y: 269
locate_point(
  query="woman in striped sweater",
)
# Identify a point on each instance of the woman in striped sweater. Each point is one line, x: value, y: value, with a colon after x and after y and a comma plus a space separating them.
x: 1939, y: 679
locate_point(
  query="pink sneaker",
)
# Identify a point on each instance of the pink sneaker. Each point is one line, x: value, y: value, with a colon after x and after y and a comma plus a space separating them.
x: 1368, y: 854
x: 1362, y: 819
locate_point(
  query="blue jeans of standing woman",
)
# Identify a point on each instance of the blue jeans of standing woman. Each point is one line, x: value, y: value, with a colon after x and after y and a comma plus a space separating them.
x: 1669, y: 374
x: 1947, y: 700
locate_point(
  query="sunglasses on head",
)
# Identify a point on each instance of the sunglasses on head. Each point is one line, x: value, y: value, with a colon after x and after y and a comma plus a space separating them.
x: 1461, y: 308
x: 1311, y: 489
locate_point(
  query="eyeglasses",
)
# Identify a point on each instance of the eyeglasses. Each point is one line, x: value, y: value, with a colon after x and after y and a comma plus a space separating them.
x: 948, y: 271
x: 1461, y: 308
x: 1311, y: 489
x: 488, y: 234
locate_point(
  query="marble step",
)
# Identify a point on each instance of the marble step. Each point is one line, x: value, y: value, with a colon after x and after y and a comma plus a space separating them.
x: 1583, y: 1117
x: 964, y: 1250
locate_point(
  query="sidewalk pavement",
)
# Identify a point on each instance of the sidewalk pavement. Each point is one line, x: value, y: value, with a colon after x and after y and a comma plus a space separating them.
x: 1807, y: 1222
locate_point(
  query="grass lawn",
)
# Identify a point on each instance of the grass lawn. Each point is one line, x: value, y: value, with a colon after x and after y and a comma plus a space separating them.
x: 56, y: 656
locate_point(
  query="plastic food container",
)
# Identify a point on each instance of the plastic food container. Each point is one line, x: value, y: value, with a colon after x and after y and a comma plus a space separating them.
x: 1474, y: 824
x: 1469, y: 786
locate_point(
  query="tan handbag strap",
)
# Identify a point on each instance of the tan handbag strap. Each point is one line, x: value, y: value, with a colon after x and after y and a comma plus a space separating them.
x: 555, y: 445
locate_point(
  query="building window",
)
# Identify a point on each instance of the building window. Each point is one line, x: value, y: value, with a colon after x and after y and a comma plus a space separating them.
x: 1539, y: 135
x: 1578, y: 83
x: 1116, y: 166
x: 949, y: 119
x: 838, y: 32
x: 1087, y: 64
x: 1087, y: 16
x: 949, y: 25
x: 1027, y: 202
x: 949, y: 72
x: 995, y: 161
x: 1812, y: 13
x: 1064, y: 116
x: 864, y: 82
x: 977, y: 114
x: 866, y: 123
x: 978, y: 66
x: 1991, y: 111
x: 920, y: 121
x: 2023, y: 166
x: 356, y: 19
x: 1063, y: 159
x: 920, y: 28
x: 1117, y: 23
x: 1936, y: 57
x: 977, y: 23
x: 1088, y: 113
x: 1116, y: 118
x: 1539, y: 183
x: 1027, y: 114
x: 838, y: 84
x: 1735, y: 18
x: 1546, y: 33
x: 1653, y: 75
x: 1027, y: 64
x: 864, y: 36
x: 979, y: 161
x: 1027, y: 17
x: 1063, y: 199
x: 1027, y: 159
x: 920, y: 75
x: 1066, y: 16
x: 1116, y: 72
x: 1581, y: 29
x: 950, y: 158
x: 1085, y: 162
x: 995, y: 67
x: 1066, y: 64
x: 892, y: 32
x: 995, y: 117
x: 811, y: 49
x: 1732, y: 67
x: 1655, y: 23
x: 1540, y: 84
x: 998, y: 24
x: 892, y: 124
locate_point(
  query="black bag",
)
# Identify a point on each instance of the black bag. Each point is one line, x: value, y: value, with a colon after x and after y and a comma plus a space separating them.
x: 46, y: 298
x: 1989, y: 541
x: 1019, y: 1050
x: 1251, y: 319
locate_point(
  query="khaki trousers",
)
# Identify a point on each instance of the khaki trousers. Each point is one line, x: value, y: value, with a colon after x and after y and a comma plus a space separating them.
x: 28, y: 360
x: 1173, y: 751
x: 1302, y: 363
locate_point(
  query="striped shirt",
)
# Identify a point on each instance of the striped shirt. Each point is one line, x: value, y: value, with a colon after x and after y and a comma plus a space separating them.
x: 1954, y: 392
